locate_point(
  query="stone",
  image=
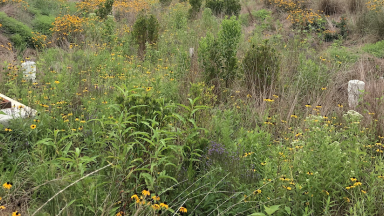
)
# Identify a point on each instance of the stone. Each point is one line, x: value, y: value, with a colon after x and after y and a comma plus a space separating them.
x: 354, y: 91
x: 29, y: 70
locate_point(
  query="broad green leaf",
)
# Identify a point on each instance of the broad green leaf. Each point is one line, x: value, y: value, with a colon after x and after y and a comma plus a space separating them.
x: 272, y: 209
x: 257, y: 214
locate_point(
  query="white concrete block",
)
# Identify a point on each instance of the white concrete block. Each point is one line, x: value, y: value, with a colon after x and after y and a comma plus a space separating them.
x: 18, y: 110
x: 29, y: 70
x: 354, y: 88
x: 191, y: 51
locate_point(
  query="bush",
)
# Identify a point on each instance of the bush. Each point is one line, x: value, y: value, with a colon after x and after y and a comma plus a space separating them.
x: 261, y: 66
x: 165, y: 3
x: 216, y: 6
x: 145, y: 29
x: 262, y: 14
x: 105, y: 10
x: 228, y: 7
x: 195, y: 8
x: 218, y: 56
x: 43, y: 24
x: 12, y: 26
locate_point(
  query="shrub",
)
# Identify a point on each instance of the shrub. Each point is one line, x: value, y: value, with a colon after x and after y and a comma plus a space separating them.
x: 104, y: 10
x: 145, y: 29
x: 12, y: 26
x: 165, y: 3
x: 195, y: 8
x: 232, y: 7
x: 43, y: 24
x: 261, y: 66
x: 262, y: 14
x: 216, y: 6
x: 218, y: 56
x: 228, y: 7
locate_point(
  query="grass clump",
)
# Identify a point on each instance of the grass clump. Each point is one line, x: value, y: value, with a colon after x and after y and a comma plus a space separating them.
x: 376, y: 49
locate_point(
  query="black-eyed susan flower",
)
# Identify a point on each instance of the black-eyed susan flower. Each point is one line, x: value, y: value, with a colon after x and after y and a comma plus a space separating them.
x: 318, y: 106
x: 8, y: 129
x: 347, y: 199
x: 2, y: 207
x: 258, y: 191
x: 348, y: 187
x: 134, y: 196
x: 104, y: 102
x: 7, y: 185
x: 57, y: 81
x: 156, y: 206
x: 82, y: 121
x: 33, y: 126
x: 120, y: 213
x: 156, y: 198
x: 309, y: 173
x: 294, y: 116
x: 164, y: 205
x: 308, y: 106
x: 275, y: 96
x: 357, y: 184
x: 353, y: 179
x: 16, y: 213
x: 340, y: 105
x: 183, y: 209
x: 146, y: 192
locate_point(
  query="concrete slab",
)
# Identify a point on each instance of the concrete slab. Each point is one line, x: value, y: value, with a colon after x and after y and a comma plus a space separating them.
x: 18, y: 110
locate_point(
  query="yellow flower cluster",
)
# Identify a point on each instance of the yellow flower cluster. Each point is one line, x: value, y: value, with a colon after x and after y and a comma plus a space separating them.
x: 66, y: 25
x: 118, y: 5
x: 39, y: 40
x: 375, y: 5
x: 297, y: 14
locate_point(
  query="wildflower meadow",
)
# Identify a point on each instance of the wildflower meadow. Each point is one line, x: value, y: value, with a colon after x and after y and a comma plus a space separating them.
x: 206, y: 108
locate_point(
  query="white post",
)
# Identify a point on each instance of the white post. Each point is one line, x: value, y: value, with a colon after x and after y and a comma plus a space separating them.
x: 29, y: 70
x: 354, y: 88
x: 191, y: 50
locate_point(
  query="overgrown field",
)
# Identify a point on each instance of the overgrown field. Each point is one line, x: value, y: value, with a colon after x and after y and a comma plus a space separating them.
x: 215, y: 107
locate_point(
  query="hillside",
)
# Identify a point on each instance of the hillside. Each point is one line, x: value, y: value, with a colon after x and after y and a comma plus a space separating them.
x: 199, y: 107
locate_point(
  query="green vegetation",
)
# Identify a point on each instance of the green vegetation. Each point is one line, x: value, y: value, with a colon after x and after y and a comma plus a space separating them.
x: 192, y: 108
x: 376, y: 49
